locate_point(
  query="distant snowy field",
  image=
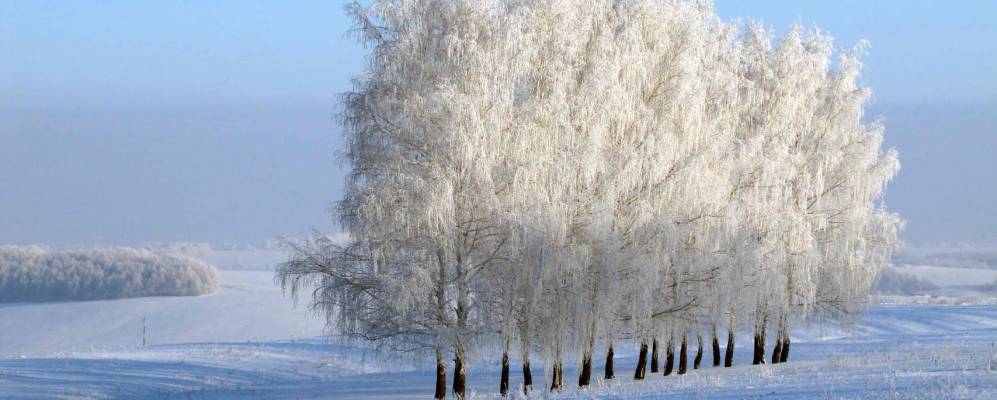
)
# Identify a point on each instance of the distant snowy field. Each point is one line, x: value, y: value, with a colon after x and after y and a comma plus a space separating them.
x: 246, y: 306
x: 248, y: 342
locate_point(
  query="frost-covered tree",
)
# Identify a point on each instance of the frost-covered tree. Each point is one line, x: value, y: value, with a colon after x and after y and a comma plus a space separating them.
x: 549, y: 178
x: 37, y: 273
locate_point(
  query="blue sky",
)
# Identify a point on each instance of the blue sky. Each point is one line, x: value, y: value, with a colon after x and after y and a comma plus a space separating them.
x: 123, y: 122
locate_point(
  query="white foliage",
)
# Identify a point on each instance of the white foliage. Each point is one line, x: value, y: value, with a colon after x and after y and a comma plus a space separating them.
x: 35, y: 273
x: 567, y: 172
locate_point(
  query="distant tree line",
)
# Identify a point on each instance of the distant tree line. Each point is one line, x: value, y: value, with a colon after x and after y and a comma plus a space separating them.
x: 894, y: 282
x: 35, y: 273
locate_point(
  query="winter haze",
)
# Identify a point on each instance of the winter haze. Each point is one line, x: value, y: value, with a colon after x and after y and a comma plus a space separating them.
x: 214, y: 122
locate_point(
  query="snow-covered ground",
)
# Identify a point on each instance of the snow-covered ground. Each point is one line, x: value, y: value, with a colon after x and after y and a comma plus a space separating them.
x: 930, y: 352
x: 247, y: 342
x: 247, y: 306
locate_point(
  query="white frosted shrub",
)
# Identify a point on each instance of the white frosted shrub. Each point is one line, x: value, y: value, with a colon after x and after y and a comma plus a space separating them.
x: 34, y: 273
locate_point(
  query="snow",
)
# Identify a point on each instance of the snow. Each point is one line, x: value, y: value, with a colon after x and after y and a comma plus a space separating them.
x: 246, y: 306
x: 248, y: 342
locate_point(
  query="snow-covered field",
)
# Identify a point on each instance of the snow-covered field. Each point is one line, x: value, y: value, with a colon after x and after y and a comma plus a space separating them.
x: 246, y: 306
x: 246, y: 341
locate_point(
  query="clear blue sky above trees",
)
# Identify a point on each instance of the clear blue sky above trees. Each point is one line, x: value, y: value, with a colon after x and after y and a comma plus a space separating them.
x: 124, y: 122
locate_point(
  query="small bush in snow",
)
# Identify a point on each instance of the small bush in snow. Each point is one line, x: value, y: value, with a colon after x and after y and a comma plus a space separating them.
x: 34, y: 273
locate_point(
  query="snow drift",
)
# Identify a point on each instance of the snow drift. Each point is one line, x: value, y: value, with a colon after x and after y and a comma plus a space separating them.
x: 35, y: 273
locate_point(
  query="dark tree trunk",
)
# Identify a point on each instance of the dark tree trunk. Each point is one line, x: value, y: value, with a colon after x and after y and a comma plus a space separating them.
x: 777, y: 351
x: 641, y: 361
x: 683, y: 356
x: 780, y: 334
x: 699, y: 353
x: 459, y: 383
x: 654, y: 356
x: 560, y: 375
x: 670, y: 356
x: 441, y: 378
x: 557, y: 383
x: 553, y: 380
x: 759, y: 356
x: 586, y: 375
x: 729, y: 353
x: 504, y: 385
x: 755, y: 359
x: 609, y: 363
x: 527, y: 377
x: 784, y: 356
x: 716, y: 350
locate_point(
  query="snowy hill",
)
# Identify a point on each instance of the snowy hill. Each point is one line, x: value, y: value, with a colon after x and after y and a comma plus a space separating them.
x: 247, y: 306
x: 898, y: 351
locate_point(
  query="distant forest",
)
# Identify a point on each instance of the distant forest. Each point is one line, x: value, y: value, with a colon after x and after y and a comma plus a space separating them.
x: 35, y: 273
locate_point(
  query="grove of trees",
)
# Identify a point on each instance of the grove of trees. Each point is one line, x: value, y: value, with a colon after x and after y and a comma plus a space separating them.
x: 554, y: 177
x: 36, y: 273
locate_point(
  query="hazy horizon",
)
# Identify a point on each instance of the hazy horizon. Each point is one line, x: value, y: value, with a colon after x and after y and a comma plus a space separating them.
x: 125, y: 123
